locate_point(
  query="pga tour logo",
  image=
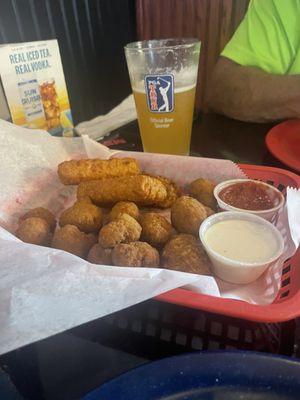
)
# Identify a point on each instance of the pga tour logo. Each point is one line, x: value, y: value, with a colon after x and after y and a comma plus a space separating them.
x: 160, y: 93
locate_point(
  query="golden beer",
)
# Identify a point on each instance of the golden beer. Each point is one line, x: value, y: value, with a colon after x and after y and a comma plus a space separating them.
x: 163, y: 75
x: 167, y: 132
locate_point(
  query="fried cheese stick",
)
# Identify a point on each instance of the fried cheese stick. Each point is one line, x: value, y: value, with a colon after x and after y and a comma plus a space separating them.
x: 75, y: 171
x: 141, y: 189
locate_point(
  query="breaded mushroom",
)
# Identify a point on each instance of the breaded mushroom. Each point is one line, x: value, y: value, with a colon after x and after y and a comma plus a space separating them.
x: 124, y: 207
x: 135, y: 254
x: 83, y: 214
x: 125, y: 229
x: 203, y: 190
x: 71, y: 239
x: 187, y: 214
x: 156, y: 229
x: 34, y: 230
x: 41, y: 212
x: 185, y: 253
x: 99, y: 255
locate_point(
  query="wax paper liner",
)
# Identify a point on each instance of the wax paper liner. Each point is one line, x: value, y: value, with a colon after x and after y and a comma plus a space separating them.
x: 44, y: 291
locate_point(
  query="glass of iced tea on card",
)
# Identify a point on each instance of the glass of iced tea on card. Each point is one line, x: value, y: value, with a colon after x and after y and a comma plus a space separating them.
x: 163, y: 75
x: 50, y: 103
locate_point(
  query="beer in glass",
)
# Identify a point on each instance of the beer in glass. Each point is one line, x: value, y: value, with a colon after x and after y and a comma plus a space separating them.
x: 163, y: 75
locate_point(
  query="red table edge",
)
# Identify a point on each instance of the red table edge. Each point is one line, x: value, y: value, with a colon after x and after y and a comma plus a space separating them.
x: 269, y: 139
x: 272, y: 313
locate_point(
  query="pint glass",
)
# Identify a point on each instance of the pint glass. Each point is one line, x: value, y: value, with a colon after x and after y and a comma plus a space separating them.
x: 163, y: 75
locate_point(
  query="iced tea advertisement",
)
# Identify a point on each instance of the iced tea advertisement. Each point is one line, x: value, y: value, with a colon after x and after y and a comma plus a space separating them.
x: 35, y: 88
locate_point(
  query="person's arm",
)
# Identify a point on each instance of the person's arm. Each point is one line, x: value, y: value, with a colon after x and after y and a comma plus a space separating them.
x: 255, y: 79
x: 250, y: 94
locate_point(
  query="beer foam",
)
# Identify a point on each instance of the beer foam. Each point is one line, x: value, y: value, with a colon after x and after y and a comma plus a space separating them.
x: 140, y: 88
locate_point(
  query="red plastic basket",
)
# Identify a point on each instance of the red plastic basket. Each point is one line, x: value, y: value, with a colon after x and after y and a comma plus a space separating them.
x: 286, y: 306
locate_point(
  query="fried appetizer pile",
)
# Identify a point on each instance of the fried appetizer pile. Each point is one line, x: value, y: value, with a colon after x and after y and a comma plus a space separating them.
x: 156, y: 229
x: 125, y: 232
x: 124, y: 207
x: 203, y: 190
x: 187, y: 214
x: 75, y: 171
x: 135, y: 254
x: 141, y: 189
x: 34, y: 230
x: 41, y: 212
x: 99, y: 255
x: 185, y: 253
x: 124, y: 229
x: 71, y: 239
x: 83, y: 214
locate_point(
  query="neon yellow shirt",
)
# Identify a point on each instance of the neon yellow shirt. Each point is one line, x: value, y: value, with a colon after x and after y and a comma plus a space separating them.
x: 268, y: 37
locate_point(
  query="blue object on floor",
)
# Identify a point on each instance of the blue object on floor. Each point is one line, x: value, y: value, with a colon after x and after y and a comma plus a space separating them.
x: 7, y: 389
x: 207, y: 375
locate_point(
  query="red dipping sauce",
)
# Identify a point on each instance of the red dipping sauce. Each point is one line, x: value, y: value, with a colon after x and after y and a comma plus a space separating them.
x: 253, y: 196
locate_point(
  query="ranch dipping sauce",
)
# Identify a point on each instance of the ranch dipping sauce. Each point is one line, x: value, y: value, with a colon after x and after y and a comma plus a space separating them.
x: 240, y: 245
x: 241, y: 240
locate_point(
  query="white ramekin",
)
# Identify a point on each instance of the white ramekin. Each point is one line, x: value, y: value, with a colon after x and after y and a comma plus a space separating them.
x: 235, y: 271
x: 266, y: 214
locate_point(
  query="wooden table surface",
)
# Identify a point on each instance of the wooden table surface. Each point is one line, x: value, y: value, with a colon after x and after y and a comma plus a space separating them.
x: 213, y: 136
x: 220, y: 137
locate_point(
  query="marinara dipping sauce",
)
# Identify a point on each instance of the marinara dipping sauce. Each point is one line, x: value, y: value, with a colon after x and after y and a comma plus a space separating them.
x: 250, y: 195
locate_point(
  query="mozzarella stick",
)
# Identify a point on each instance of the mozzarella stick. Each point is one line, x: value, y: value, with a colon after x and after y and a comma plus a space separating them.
x: 75, y: 171
x: 141, y: 189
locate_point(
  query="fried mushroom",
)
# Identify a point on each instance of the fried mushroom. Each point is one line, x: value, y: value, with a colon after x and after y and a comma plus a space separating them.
x: 34, y: 230
x: 203, y: 190
x: 125, y: 229
x: 41, y: 212
x: 124, y: 207
x: 71, y: 239
x: 136, y: 254
x: 156, y: 229
x: 83, y: 214
x: 187, y: 214
x: 99, y: 255
x: 185, y: 253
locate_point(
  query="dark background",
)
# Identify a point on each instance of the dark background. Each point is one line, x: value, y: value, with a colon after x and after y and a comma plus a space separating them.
x: 91, y: 35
